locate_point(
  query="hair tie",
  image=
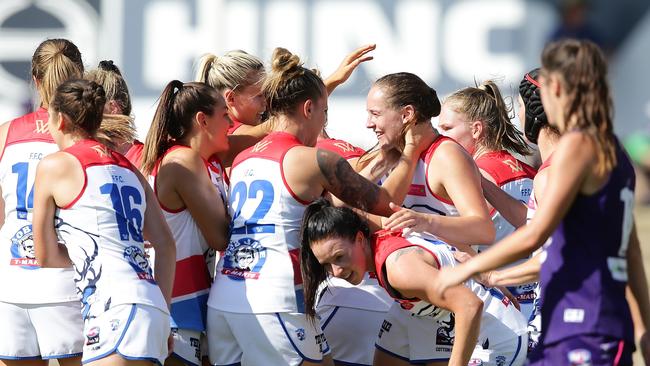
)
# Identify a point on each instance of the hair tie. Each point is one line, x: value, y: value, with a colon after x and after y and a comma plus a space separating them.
x: 532, y: 81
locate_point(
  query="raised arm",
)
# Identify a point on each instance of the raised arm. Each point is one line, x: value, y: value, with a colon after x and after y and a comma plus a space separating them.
x: 412, y: 271
x: 347, y: 66
x: 243, y: 138
x: 572, y: 162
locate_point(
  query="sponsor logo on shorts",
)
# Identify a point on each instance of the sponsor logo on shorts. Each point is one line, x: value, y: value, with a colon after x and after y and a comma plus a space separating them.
x: 385, y: 327
x: 500, y: 360
x: 321, y: 341
x: 445, y: 331
x: 574, y: 315
x: 92, y: 337
x: 300, y: 333
x: 115, y: 323
x: 579, y: 357
x: 475, y: 362
x: 139, y: 262
x: 22, y: 249
x: 244, y: 259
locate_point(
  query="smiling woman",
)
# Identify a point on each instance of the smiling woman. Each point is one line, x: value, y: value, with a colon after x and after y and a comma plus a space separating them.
x: 337, y: 242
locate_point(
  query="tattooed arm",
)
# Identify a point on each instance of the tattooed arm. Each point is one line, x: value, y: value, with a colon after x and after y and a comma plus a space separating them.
x: 411, y: 271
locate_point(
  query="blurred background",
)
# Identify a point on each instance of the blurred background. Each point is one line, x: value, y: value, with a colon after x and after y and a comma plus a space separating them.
x: 449, y: 43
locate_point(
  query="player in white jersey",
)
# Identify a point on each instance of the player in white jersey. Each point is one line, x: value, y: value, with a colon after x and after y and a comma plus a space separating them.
x: 93, y: 209
x: 188, y: 129
x: 39, y: 310
x: 256, y: 298
x: 420, y: 327
x: 478, y: 119
x: 444, y: 197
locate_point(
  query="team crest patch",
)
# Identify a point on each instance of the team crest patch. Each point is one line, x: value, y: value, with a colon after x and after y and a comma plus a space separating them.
x: 579, y: 357
x: 22, y: 249
x: 139, y: 262
x: 500, y: 360
x: 244, y: 259
x: 300, y: 333
x: 92, y: 337
x: 115, y: 323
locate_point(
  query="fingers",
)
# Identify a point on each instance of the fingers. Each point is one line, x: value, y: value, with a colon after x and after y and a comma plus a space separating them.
x: 362, y: 51
x: 394, y: 207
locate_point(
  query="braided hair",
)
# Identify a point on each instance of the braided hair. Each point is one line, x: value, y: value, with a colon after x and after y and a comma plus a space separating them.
x: 535, y: 116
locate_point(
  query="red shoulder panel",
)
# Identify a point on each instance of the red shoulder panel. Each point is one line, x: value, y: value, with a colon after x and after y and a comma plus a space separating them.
x: 546, y: 163
x: 428, y: 153
x: 134, y: 155
x: 235, y: 125
x: 91, y: 152
x: 504, y: 168
x: 30, y: 127
x: 340, y: 147
x: 272, y: 147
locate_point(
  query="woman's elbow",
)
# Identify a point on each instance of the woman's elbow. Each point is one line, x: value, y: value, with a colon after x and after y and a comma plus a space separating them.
x: 485, y: 231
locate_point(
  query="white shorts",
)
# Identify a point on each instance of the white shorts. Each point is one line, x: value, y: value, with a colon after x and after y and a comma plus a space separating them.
x: 426, y: 339
x: 351, y: 347
x: 187, y: 346
x: 264, y: 339
x: 134, y: 331
x: 41, y: 331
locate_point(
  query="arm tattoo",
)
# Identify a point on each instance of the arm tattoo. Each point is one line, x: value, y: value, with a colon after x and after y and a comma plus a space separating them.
x: 345, y: 183
x: 398, y: 253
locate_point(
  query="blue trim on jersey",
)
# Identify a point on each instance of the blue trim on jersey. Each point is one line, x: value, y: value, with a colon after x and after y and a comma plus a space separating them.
x: 184, y: 360
x: 293, y: 344
x: 230, y: 364
x: 130, y: 358
x: 327, y: 321
x: 339, y: 362
x: 517, y: 351
x: 117, y: 344
x: 190, y: 313
x: 69, y: 355
x: 20, y: 358
x: 391, y: 353
x: 423, y: 361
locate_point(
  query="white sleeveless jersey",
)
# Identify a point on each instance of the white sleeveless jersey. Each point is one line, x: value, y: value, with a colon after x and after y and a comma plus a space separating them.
x: 192, y: 276
x: 102, y: 229
x: 368, y: 295
x: 23, y: 281
x: 260, y: 271
x: 420, y: 198
x: 496, y: 305
x: 513, y: 177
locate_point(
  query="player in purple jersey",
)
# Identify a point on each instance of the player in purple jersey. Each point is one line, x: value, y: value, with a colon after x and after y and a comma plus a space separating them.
x: 594, y: 252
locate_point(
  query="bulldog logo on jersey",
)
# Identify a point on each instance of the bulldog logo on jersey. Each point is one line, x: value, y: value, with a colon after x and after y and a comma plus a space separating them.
x: 244, y: 259
x: 445, y: 332
x: 138, y: 261
x: 22, y: 249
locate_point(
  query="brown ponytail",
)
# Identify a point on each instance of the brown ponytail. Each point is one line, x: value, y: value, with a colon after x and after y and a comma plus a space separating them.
x: 174, y: 117
x: 582, y: 69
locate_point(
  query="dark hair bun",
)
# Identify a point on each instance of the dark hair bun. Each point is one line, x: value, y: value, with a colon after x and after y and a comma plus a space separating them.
x: 535, y: 117
x: 108, y: 65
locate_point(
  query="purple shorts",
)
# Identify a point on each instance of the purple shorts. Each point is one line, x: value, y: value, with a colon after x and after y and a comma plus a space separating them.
x: 584, y: 350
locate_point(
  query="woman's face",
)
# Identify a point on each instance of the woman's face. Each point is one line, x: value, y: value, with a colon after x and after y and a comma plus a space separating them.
x: 455, y: 125
x: 318, y: 118
x: 217, y: 125
x: 343, y: 258
x: 248, y: 104
x: 384, y: 121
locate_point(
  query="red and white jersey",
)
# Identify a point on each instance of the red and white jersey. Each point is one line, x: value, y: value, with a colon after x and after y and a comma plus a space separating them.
x: 345, y: 149
x: 420, y: 198
x: 235, y: 125
x: 495, y: 304
x: 23, y: 281
x: 192, y: 277
x: 260, y: 271
x: 513, y: 177
x: 102, y: 230
x: 134, y: 154
x: 532, y: 202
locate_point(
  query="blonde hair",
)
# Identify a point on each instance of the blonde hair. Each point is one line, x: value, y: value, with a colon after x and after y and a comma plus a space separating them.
x: 485, y: 103
x: 109, y: 76
x: 233, y: 69
x: 115, y: 129
x: 53, y: 62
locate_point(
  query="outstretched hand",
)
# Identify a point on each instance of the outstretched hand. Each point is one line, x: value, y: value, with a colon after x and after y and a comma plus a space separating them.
x: 347, y: 66
x: 407, y: 220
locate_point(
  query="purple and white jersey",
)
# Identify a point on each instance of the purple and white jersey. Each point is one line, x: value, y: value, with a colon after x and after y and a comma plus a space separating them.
x: 584, y: 273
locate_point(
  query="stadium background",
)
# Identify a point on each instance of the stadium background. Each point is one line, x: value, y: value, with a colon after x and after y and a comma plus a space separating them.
x: 449, y: 43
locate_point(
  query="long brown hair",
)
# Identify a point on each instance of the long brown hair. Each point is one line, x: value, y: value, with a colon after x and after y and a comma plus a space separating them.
x: 53, y: 62
x: 484, y: 103
x: 173, y: 120
x: 582, y: 69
